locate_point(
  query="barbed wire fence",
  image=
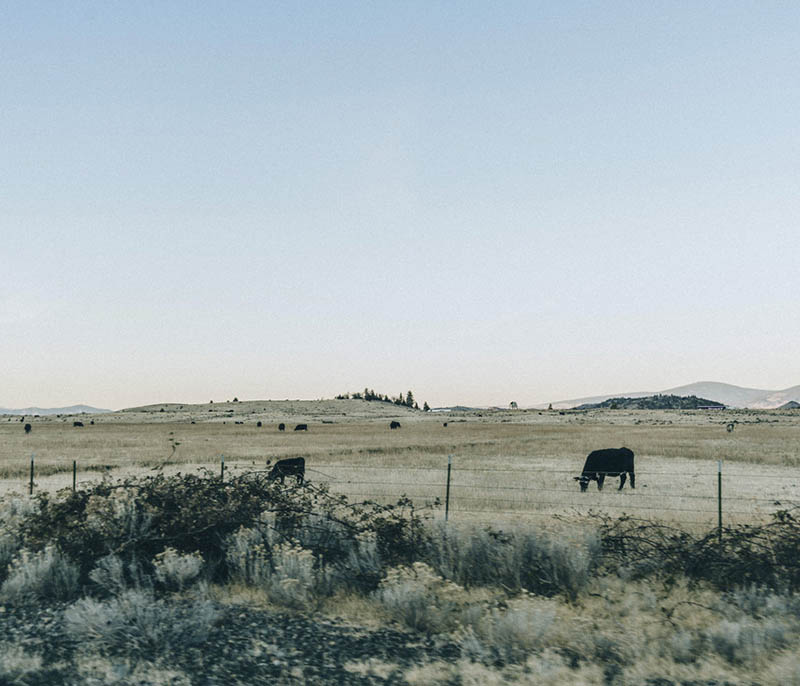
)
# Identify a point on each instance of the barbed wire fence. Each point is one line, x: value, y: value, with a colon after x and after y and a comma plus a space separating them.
x: 699, y: 497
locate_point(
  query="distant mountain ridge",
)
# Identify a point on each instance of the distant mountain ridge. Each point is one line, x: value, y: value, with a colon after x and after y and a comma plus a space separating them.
x: 727, y: 394
x: 72, y: 409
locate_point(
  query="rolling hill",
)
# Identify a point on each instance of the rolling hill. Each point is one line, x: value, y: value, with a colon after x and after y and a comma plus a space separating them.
x: 727, y: 394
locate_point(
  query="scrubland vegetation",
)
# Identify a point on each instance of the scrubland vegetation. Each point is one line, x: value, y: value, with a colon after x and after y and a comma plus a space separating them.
x: 142, y: 579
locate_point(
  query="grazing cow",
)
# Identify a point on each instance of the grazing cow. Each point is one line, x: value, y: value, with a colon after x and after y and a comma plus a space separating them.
x: 608, y: 462
x: 281, y: 427
x: 77, y: 423
x: 729, y: 427
x: 301, y: 427
x: 293, y: 466
x: 394, y: 425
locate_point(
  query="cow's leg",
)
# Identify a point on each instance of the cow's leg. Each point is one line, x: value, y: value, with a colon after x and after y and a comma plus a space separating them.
x: 633, y: 480
x: 622, y: 477
x: 600, y: 479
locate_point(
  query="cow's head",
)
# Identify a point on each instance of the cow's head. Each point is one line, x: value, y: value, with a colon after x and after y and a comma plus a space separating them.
x: 584, y: 480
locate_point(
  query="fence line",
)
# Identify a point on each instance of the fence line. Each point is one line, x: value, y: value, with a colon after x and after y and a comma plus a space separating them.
x: 456, y: 494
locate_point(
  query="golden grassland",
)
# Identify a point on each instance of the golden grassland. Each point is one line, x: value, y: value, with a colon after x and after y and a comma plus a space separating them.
x: 506, y: 464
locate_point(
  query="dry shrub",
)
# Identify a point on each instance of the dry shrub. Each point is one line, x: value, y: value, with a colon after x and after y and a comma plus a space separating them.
x: 16, y: 665
x: 45, y: 575
x: 13, y: 510
x: 284, y: 570
x: 420, y: 599
x: 137, y: 623
x: 516, y: 559
x: 763, y: 555
x: 96, y: 670
x: 175, y: 571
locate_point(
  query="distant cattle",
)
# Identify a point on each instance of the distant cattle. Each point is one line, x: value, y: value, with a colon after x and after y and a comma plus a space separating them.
x: 281, y: 427
x: 608, y: 462
x: 444, y: 423
x: 394, y: 425
x: 28, y: 428
x: 77, y: 423
x: 729, y: 427
x: 301, y: 427
x: 293, y: 466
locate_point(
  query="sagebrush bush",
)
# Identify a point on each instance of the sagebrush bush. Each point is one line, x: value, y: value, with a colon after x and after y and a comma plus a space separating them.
x: 96, y: 670
x: 44, y: 575
x: 419, y: 598
x: 16, y: 665
x: 518, y: 559
x: 286, y: 570
x: 247, y: 556
x: 508, y: 634
x: 13, y: 509
x: 175, y: 571
x: 292, y: 582
x: 135, y: 622
x: 745, y: 641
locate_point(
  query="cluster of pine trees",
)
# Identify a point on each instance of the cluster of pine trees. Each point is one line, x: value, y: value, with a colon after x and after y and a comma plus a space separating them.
x: 406, y: 400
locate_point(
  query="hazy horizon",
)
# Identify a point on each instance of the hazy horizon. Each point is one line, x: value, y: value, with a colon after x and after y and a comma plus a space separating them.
x: 479, y: 203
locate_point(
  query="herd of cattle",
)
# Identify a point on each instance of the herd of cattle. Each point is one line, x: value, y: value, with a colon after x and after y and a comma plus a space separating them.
x: 599, y: 463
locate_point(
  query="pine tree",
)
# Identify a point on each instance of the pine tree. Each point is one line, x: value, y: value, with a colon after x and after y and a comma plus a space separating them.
x: 426, y: 407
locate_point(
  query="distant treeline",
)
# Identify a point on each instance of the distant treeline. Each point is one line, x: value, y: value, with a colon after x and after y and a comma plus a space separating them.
x: 653, y: 402
x: 406, y: 400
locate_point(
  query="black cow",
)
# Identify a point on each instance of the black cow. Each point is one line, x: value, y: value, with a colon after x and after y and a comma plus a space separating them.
x: 608, y: 462
x: 281, y: 427
x: 77, y: 423
x: 394, y: 425
x: 301, y: 427
x: 292, y: 466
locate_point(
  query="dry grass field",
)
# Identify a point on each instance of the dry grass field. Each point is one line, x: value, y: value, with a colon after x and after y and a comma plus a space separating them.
x: 506, y: 464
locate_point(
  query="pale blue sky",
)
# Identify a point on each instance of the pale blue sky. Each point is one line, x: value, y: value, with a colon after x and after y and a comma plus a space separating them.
x: 482, y: 202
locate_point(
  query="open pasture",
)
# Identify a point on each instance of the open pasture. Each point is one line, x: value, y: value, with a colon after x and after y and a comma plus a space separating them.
x: 505, y: 465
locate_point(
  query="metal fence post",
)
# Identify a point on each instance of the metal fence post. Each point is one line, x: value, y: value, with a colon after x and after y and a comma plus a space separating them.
x: 30, y: 490
x: 221, y: 467
x: 447, y: 492
x: 74, y: 474
x: 719, y: 500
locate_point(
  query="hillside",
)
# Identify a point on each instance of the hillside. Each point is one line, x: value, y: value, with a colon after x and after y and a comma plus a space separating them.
x: 726, y: 394
x: 652, y: 402
x: 72, y: 409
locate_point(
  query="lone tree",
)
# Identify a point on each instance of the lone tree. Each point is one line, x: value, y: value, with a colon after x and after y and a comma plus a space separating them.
x: 426, y: 407
x: 28, y: 428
